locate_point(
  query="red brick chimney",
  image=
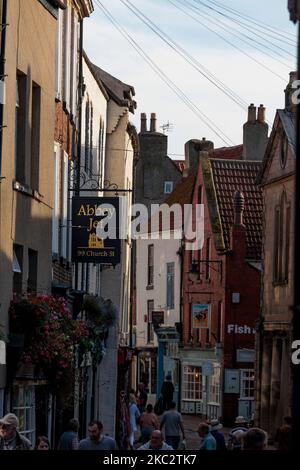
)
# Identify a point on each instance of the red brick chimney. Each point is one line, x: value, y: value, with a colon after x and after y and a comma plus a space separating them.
x: 238, y: 230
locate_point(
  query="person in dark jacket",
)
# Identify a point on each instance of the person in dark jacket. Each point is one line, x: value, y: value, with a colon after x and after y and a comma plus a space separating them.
x: 10, y: 438
x: 167, y: 390
x: 215, y: 427
x: 69, y: 439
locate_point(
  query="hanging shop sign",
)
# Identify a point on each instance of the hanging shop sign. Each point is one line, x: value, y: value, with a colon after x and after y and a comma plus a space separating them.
x: 200, y: 315
x: 91, y: 216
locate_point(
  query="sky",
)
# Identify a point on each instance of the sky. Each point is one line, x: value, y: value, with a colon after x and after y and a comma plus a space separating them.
x: 252, y: 82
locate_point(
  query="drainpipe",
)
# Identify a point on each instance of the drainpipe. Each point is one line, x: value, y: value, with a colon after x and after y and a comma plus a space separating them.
x: 2, y: 73
x: 80, y: 95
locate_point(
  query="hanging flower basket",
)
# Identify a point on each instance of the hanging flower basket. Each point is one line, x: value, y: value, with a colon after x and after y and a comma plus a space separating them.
x: 51, y: 336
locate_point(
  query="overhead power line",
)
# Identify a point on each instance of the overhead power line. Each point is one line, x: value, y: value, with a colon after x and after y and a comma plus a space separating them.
x: 186, y: 56
x: 179, y: 93
x: 187, y: 13
x: 236, y: 33
x: 279, y: 31
x: 247, y: 27
x: 269, y: 32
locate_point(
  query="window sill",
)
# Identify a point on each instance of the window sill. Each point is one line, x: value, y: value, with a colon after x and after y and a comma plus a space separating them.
x: 27, y: 190
x: 280, y: 283
x: 150, y: 287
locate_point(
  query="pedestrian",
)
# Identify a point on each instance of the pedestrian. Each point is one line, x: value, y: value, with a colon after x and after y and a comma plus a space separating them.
x: 235, y: 435
x: 156, y: 442
x: 172, y: 420
x: 208, y: 442
x: 148, y: 423
x: 134, y: 416
x: 10, y: 438
x: 167, y: 391
x: 215, y: 427
x: 42, y: 443
x: 142, y: 398
x: 96, y: 439
x: 122, y: 422
x: 255, y: 439
x: 69, y: 439
x: 283, y: 436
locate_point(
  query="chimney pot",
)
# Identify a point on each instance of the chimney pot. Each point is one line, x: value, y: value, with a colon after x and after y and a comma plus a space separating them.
x: 143, y: 122
x: 251, y: 113
x: 261, y: 113
x: 153, y: 122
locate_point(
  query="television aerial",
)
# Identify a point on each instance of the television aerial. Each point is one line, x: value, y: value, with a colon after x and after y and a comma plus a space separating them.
x: 167, y: 127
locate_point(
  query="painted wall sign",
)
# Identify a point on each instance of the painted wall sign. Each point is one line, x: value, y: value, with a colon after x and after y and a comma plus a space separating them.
x: 87, y: 213
x: 240, y: 329
x: 200, y: 315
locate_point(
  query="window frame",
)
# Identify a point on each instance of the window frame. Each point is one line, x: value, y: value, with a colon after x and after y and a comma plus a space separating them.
x: 245, y: 396
x: 166, y: 183
x: 189, y: 392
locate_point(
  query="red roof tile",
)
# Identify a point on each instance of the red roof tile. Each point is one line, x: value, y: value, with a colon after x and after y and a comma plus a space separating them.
x: 230, y: 176
x: 228, y: 153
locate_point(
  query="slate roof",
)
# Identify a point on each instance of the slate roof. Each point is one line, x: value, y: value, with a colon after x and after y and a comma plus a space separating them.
x: 119, y: 91
x: 229, y: 176
x: 288, y: 121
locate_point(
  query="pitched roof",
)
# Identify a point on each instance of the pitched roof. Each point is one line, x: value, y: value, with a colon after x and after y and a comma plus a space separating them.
x: 183, y: 191
x: 288, y: 121
x: 232, y: 175
x: 120, y: 92
x: 230, y: 153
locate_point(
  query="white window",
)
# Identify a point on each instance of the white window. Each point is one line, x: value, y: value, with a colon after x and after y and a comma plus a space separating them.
x: 58, y: 68
x: 55, y: 213
x: 168, y: 187
x: 192, y: 383
x: 247, y: 384
x: 23, y: 405
x: 214, y: 386
x: 64, y: 205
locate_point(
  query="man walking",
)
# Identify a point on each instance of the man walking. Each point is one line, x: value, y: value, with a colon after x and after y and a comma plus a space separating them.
x: 156, y: 443
x: 172, y: 420
x: 96, y: 439
x: 10, y: 438
x: 167, y: 390
x: 69, y: 439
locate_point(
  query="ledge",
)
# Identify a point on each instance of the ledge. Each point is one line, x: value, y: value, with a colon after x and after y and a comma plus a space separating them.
x: 27, y: 190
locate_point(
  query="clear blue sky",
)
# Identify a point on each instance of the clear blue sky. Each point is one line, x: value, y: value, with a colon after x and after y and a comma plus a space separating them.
x: 253, y: 83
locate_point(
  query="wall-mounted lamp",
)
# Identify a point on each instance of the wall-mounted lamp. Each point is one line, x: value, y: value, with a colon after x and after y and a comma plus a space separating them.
x: 194, y: 271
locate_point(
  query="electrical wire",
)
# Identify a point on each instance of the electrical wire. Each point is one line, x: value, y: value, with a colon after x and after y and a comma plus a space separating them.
x: 186, y: 56
x: 179, y: 93
x: 274, y: 34
x: 237, y: 33
x: 223, y: 38
x: 252, y: 20
x: 200, y: 2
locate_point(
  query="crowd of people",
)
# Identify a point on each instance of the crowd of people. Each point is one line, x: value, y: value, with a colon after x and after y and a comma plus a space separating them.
x: 144, y: 427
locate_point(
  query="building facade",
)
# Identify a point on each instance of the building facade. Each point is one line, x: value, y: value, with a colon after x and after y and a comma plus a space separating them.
x: 25, y: 193
x: 220, y: 306
x: 277, y: 179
